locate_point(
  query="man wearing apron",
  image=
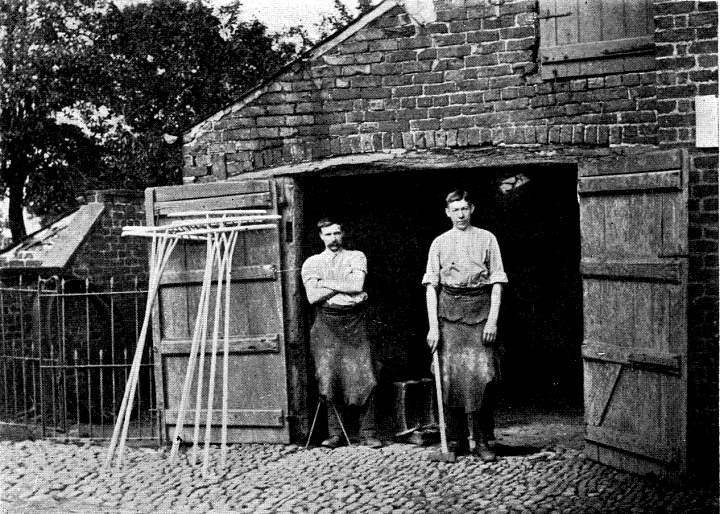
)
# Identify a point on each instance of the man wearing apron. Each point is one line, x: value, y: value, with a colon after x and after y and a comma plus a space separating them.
x: 463, y: 280
x: 339, y: 340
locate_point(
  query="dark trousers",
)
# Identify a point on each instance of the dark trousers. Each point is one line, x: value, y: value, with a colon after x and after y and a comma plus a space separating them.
x: 362, y: 417
x: 481, y: 422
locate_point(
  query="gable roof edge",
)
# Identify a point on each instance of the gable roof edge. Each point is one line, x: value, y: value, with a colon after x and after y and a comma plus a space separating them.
x: 313, y: 53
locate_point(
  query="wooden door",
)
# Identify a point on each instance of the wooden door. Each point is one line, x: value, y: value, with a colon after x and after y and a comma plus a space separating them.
x: 633, y: 214
x: 258, y: 404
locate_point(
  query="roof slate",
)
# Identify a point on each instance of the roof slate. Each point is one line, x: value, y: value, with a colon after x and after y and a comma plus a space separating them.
x: 53, y: 246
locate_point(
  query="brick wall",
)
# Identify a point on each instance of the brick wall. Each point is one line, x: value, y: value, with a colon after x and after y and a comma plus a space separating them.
x: 105, y: 253
x: 470, y: 79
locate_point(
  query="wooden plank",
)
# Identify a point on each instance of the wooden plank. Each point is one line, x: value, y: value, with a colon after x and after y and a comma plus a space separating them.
x: 646, y: 224
x: 210, y: 190
x: 648, y: 359
x: 267, y: 272
x: 592, y: 221
x: 596, y: 49
x: 632, y: 163
x: 547, y: 23
x: 612, y: 20
x: 618, y: 209
x: 670, y: 271
x: 631, y: 443
x: 652, y: 181
x: 642, y: 311
x: 245, y: 434
x: 155, y: 325
x: 590, y: 21
x: 567, y: 32
x: 601, y: 378
x: 236, y: 417
x: 604, y: 352
x: 257, y: 344
x: 654, y: 361
x: 623, y: 317
x: 257, y: 200
x: 300, y: 400
x: 635, y: 18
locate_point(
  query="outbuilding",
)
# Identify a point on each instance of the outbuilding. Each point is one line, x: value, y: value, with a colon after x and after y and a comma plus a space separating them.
x: 581, y: 134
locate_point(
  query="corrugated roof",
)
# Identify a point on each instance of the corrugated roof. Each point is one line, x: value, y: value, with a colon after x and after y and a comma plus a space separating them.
x: 54, y: 245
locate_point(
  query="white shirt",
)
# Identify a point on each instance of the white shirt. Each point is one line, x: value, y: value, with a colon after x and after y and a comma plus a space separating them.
x: 329, y: 265
x: 467, y: 258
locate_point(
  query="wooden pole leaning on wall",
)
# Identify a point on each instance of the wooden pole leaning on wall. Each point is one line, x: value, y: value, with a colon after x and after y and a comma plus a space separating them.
x: 220, y: 231
x: 161, y: 248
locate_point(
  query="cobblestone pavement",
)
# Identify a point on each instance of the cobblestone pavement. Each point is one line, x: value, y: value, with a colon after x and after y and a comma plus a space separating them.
x: 44, y: 476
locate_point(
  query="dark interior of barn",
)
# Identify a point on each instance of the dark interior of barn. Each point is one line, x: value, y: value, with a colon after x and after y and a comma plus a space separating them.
x: 533, y: 211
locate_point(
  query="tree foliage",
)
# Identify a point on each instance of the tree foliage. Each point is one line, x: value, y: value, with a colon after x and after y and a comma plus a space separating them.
x: 87, y: 95
x: 40, y: 43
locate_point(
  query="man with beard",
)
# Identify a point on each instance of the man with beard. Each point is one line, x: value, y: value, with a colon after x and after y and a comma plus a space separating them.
x: 339, y: 341
x: 463, y: 280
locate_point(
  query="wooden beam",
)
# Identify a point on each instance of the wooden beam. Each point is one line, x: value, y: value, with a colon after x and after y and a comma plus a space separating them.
x: 257, y: 200
x: 633, y: 358
x: 268, y: 343
x: 630, y: 443
x: 196, y: 191
x: 236, y: 417
x: 596, y: 49
x: 240, y: 273
x: 633, y: 182
x: 671, y: 271
x: 632, y: 163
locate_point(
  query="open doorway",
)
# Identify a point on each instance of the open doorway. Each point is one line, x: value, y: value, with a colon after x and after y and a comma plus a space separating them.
x: 533, y: 210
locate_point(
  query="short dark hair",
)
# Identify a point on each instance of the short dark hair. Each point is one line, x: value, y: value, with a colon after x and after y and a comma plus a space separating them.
x: 458, y: 195
x: 326, y: 222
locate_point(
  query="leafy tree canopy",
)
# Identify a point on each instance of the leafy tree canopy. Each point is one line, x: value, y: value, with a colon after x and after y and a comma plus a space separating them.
x: 86, y: 95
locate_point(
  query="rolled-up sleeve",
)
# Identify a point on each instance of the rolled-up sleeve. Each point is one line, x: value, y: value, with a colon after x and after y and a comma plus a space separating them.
x: 432, y: 270
x: 309, y: 272
x: 358, y: 263
x: 495, y: 264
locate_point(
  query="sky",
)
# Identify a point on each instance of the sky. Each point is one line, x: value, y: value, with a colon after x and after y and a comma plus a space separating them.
x: 278, y: 15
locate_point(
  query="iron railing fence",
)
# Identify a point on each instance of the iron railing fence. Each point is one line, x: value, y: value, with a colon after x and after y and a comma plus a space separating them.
x: 66, y: 347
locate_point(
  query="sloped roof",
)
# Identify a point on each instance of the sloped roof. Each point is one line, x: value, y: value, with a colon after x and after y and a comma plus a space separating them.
x: 316, y: 51
x: 53, y: 246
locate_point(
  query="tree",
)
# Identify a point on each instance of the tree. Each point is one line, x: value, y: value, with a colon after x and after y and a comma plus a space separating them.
x: 340, y: 17
x: 167, y: 65
x: 40, y: 42
x: 87, y: 96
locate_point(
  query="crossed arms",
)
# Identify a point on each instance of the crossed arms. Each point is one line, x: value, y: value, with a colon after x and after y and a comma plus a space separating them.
x: 319, y: 289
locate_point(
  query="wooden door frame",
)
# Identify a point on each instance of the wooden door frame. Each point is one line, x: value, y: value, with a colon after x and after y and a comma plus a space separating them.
x: 291, y: 208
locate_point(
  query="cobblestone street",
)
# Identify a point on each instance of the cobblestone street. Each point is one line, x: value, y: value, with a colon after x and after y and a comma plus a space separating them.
x: 43, y: 476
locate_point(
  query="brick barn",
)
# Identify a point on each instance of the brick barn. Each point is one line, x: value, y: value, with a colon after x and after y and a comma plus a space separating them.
x: 576, y: 129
